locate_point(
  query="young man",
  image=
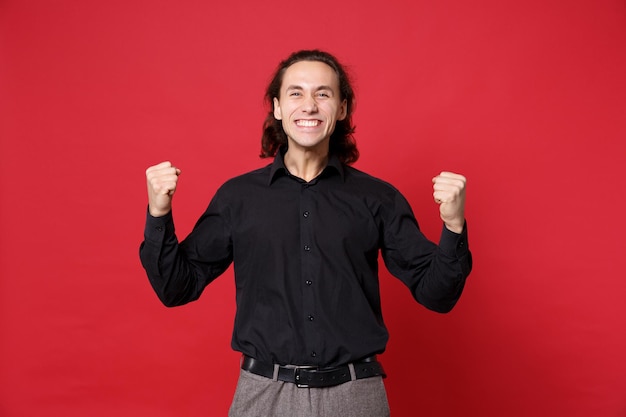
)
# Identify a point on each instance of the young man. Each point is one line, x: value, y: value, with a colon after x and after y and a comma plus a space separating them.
x: 304, y: 234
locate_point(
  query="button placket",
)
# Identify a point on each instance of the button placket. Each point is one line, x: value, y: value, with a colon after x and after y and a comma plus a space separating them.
x: 307, y: 234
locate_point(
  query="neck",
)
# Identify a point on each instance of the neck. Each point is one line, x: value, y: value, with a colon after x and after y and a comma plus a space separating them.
x: 305, y: 164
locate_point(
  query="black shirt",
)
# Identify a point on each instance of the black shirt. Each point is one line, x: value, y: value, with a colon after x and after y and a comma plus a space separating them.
x: 306, y: 261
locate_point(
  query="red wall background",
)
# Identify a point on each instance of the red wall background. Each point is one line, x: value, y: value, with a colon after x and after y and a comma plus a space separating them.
x: 527, y: 99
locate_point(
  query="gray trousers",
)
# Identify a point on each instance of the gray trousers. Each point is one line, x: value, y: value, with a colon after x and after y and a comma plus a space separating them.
x: 257, y: 396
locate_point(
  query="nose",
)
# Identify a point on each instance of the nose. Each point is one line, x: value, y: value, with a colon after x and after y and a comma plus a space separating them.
x: 309, y: 105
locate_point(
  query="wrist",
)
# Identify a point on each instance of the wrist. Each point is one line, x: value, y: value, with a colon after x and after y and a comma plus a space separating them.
x: 155, y: 212
x: 455, y: 227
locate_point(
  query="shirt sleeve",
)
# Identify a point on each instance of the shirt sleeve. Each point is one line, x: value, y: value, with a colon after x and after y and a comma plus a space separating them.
x: 179, y: 272
x: 435, y: 274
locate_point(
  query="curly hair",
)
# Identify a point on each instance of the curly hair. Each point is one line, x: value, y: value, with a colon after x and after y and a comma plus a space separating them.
x: 342, y: 142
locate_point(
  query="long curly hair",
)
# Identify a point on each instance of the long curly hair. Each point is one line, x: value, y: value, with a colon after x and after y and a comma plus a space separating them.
x: 342, y: 142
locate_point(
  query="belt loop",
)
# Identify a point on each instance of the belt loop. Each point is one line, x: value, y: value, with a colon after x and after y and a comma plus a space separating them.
x: 276, y: 368
x: 352, y: 372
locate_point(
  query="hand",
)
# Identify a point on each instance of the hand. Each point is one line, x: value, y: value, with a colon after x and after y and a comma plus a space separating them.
x: 449, y: 193
x: 162, y: 179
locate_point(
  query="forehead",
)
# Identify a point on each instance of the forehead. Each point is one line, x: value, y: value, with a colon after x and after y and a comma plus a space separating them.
x: 310, y: 74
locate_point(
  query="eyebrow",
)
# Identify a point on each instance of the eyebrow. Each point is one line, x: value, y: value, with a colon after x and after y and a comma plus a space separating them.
x: 321, y: 87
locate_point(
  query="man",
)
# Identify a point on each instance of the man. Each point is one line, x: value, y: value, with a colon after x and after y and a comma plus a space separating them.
x: 304, y: 234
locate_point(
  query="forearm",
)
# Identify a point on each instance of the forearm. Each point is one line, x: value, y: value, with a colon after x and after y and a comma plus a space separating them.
x: 443, y: 281
x: 169, y: 273
x: 435, y: 274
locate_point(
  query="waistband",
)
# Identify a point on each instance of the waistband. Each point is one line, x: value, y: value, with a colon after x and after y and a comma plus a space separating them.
x: 314, y: 377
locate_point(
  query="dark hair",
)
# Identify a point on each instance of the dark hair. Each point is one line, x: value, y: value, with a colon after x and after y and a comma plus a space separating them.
x: 342, y: 141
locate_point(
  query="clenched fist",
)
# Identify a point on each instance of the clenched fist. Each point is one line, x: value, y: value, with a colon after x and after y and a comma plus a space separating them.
x: 449, y: 193
x: 162, y: 180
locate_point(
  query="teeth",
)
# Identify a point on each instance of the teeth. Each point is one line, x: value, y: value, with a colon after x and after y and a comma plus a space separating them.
x: 307, y: 123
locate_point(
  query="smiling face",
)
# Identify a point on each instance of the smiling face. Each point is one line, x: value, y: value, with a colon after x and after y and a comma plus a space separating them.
x: 309, y: 105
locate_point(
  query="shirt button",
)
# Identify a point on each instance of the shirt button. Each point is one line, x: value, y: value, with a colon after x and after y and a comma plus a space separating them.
x: 311, y: 318
x: 159, y: 228
x: 313, y: 354
x: 308, y: 282
x: 306, y: 214
x: 307, y: 248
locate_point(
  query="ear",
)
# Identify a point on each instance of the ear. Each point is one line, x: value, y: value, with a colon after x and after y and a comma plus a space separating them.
x: 343, y: 111
x: 278, y: 115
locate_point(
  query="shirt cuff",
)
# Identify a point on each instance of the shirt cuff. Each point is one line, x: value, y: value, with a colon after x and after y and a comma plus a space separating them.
x: 454, y: 244
x: 158, y: 227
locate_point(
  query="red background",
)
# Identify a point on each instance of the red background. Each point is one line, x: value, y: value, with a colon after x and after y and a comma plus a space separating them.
x: 527, y: 99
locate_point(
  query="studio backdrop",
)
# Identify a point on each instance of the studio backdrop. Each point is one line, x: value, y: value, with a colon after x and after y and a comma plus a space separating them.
x: 526, y: 99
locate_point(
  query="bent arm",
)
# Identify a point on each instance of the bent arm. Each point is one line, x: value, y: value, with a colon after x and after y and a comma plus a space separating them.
x: 435, y: 274
x: 440, y: 286
x: 179, y: 272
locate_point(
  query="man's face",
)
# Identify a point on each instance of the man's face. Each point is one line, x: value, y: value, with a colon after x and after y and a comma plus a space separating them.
x: 309, y: 105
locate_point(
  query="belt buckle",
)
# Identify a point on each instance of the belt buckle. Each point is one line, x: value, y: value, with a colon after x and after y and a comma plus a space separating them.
x: 297, y: 370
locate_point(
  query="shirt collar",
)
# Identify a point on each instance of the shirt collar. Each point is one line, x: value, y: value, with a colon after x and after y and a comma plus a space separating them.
x: 278, y: 166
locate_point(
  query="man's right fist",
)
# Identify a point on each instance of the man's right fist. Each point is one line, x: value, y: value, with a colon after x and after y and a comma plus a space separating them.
x: 162, y: 179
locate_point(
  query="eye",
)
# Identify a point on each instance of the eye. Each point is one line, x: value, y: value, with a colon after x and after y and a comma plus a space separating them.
x: 294, y: 94
x: 323, y: 94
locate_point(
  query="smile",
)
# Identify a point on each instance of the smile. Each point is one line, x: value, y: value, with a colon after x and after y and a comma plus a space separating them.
x: 307, y: 123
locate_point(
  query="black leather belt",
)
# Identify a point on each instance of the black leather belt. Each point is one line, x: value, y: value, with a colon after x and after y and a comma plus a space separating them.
x: 314, y: 377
